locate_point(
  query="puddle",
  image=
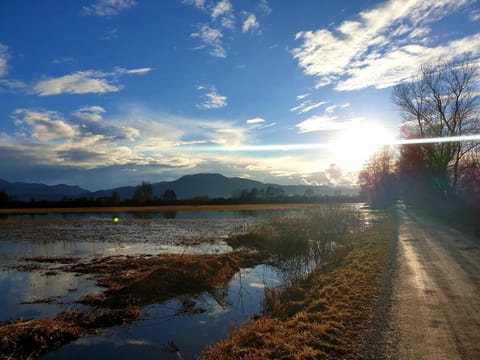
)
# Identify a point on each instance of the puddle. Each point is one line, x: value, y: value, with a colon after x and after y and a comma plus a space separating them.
x: 20, y: 288
x: 165, y: 323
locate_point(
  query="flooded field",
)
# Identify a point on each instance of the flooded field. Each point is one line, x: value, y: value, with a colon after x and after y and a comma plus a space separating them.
x: 52, y: 263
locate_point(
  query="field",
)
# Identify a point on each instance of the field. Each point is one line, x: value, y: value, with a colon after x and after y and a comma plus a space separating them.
x: 151, y: 283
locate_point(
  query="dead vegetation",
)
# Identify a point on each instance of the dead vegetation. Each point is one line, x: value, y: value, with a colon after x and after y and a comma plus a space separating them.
x: 144, y: 280
x: 31, y: 339
x: 131, y: 282
x: 324, y: 316
x: 52, y: 259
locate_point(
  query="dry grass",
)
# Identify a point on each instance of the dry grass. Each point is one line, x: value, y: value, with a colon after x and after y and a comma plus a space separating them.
x: 144, y: 280
x: 325, y: 316
x: 31, y: 339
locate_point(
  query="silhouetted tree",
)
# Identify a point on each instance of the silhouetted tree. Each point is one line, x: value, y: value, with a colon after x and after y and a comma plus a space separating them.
x: 3, y: 198
x: 143, y: 192
x: 169, y: 195
x: 377, y: 179
x: 441, y: 101
x: 115, y: 199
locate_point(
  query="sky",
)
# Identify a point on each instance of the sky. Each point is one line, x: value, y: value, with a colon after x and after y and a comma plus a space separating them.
x: 106, y: 93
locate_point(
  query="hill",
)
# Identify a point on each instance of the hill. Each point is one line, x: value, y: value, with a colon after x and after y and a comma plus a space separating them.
x: 186, y: 187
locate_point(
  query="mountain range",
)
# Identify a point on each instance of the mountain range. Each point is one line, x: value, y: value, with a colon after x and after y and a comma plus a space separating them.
x: 186, y: 187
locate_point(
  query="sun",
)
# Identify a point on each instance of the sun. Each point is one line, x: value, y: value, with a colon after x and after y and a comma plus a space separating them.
x: 360, y: 141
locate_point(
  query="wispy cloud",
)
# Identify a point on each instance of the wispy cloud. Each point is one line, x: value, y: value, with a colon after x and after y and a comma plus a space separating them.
x: 81, y: 82
x: 324, y: 123
x: 255, y: 121
x: 250, y: 24
x: 7, y: 84
x: 108, y: 7
x: 258, y: 124
x: 212, y: 38
x: 3, y: 60
x: 110, y: 34
x: 89, y: 113
x: 330, y: 109
x: 65, y: 59
x: 307, y: 106
x: 197, y: 3
x: 475, y: 15
x: 211, y: 99
x: 264, y: 8
x: 382, y: 46
x: 302, y: 96
x: 84, y: 82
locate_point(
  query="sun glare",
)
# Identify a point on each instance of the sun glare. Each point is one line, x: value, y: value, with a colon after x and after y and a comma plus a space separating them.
x: 356, y: 144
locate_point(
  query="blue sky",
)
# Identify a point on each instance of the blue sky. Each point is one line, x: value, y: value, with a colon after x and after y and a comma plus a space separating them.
x: 106, y: 93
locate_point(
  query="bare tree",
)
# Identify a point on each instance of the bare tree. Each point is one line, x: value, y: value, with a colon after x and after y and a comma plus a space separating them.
x: 143, y: 192
x: 377, y: 179
x: 442, y: 101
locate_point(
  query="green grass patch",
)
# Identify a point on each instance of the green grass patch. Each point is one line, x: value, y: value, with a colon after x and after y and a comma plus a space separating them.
x: 328, y: 314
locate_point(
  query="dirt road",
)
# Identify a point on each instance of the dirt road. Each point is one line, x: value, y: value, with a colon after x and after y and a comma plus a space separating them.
x: 436, y: 295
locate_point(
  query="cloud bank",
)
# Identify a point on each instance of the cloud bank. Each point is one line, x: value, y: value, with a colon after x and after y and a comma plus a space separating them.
x: 382, y: 46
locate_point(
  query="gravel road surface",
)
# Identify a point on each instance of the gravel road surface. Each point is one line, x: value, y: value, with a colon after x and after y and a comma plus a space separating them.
x: 435, y: 311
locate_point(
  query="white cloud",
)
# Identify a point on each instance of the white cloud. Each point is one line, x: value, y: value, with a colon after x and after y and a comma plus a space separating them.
x: 382, y: 47
x: 81, y: 82
x: 250, y: 24
x: 212, y: 38
x: 307, y: 106
x: 302, y: 96
x: 223, y: 7
x: 44, y: 125
x: 324, y: 123
x: 145, y: 139
x: 89, y: 113
x: 258, y: 124
x: 12, y: 84
x: 139, y: 71
x: 108, y: 7
x: 84, y: 82
x: 223, y: 11
x: 255, y: 121
x: 475, y: 15
x: 211, y: 99
x: 330, y: 109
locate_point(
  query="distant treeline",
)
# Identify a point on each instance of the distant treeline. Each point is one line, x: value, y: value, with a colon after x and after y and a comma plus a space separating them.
x: 144, y: 196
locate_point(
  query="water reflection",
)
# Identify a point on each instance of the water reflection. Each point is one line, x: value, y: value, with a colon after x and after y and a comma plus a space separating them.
x: 169, y: 322
x: 19, y: 289
x: 191, y: 323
